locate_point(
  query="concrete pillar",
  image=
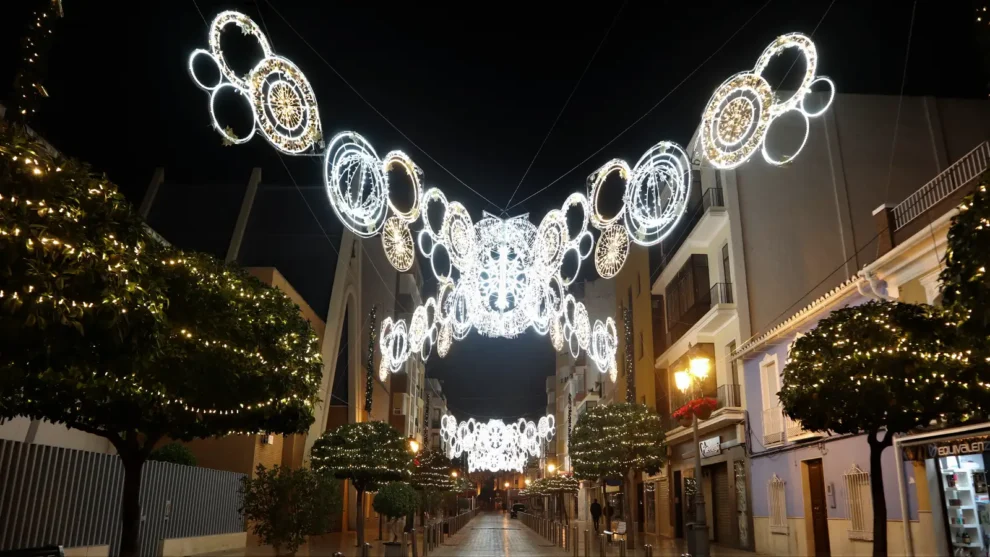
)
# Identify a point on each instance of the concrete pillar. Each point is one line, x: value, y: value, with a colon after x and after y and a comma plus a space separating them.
x: 242, y: 218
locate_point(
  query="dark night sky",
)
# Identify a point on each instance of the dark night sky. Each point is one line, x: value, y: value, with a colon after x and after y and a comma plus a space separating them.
x: 476, y: 86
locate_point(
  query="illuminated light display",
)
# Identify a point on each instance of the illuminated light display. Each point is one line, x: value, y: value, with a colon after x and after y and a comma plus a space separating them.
x: 509, y: 271
x: 740, y: 113
x: 495, y: 446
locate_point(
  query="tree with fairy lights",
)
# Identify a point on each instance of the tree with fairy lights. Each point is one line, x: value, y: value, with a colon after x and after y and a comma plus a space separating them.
x: 965, y: 280
x: 106, y: 331
x: 615, y: 441
x: 367, y: 454
x: 881, y: 368
x: 431, y: 478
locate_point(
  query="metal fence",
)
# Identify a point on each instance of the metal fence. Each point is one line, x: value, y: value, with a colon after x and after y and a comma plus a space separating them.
x: 960, y: 173
x: 72, y: 498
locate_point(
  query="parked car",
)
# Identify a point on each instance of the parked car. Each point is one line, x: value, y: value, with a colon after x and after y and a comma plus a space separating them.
x: 516, y: 509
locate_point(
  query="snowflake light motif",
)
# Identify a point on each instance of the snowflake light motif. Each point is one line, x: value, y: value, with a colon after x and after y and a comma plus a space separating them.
x: 496, y: 446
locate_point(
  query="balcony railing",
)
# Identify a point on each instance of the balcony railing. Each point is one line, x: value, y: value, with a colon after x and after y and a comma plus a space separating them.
x: 720, y: 293
x: 793, y: 427
x: 728, y: 396
x: 712, y: 198
x: 773, y: 426
x: 959, y: 174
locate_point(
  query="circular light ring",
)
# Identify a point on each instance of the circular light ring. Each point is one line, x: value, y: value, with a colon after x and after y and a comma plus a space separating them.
x: 361, y: 207
x: 728, y: 150
x: 551, y: 242
x: 383, y: 335
x: 568, y: 310
x: 445, y: 293
x: 192, y: 71
x: 383, y: 369
x: 419, y: 328
x: 613, y: 373
x: 460, y: 312
x: 459, y: 236
x: 828, y: 104
x: 427, y: 244
x: 433, y: 263
x: 398, y: 244
x: 582, y: 326
x: 612, y: 251
x: 496, y: 446
x: 604, y: 344
x: 657, y: 195
x: 545, y: 309
x: 285, y: 105
x: 398, y: 346
x: 584, y: 243
x: 573, y: 344
x: 248, y: 27
x: 576, y: 200
x: 432, y: 195
x: 415, y: 174
x: 213, y: 114
x: 558, y: 295
x: 567, y: 281
x: 432, y: 317
x: 596, y: 181
x: 427, y: 348
x: 445, y: 340
x: 810, y: 52
x: 786, y: 159
x: 556, y: 335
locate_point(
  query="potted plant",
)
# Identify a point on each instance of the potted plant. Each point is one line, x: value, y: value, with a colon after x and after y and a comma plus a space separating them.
x: 683, y: 416
x: 703, y: 407
x: 395, y: 501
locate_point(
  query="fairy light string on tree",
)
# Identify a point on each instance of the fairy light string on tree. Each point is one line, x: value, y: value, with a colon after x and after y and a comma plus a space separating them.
x: 29, y: 86
x: 369, y: 369
x: 630, y: 372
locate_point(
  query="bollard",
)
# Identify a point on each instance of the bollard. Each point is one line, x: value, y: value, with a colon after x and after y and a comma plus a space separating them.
x: 575, y: 541
x: 587, y: 543
x: 601, y: 545
x: 622, y: 548
x: 366, y: 550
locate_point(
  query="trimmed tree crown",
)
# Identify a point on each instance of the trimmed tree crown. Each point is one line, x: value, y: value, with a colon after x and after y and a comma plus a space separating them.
x: 611, y: 439
x: 367, y: 453
x: 880, y: 365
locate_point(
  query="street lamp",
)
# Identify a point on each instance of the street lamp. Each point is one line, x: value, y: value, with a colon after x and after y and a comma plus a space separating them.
x: 413, y: 445
x: 690, y: 381
x: 453, y: 474
x: 551, y: 467
x: 528, y: 482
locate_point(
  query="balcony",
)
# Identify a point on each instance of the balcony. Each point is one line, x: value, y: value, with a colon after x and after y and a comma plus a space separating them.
x: 698, y: 229
x: 728, y: 395
x: 727, y: 410
x: 709, y: 313
x: 773, y: 426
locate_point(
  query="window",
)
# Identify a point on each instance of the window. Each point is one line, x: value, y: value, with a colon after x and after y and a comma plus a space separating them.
x: 639, y: 284
x: 726, y: 271
x: 773, y: 416
x: 778, y: 505
x: 860, y: 502
x: 629, y: 305
x: 642, y: 346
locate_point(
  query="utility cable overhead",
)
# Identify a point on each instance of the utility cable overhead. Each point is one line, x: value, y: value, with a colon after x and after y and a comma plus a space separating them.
x: 647, y: 113
x: 566, y: 102
x: 378, y: 112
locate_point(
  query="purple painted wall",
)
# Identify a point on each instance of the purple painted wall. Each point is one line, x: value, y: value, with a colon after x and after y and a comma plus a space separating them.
x: 837, y: 456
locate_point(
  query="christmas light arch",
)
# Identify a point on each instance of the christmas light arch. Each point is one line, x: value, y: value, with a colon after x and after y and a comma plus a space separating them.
x: 495, y: 446
x: 509, y: 270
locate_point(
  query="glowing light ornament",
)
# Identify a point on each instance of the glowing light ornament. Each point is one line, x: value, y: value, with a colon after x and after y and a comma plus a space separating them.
x: 445, y: 340
x: 355, y: 182
x: 398, y: 244
x: 596, y: 181
x: 415, y: 175
x: 496, y: 446
x: 741, y: 112
x: 656, y: 195
x: 612, y: 251
x: 282, y: 101
x: 604, y: 344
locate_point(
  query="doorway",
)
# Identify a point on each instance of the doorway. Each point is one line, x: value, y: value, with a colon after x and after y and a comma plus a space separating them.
x: 817, y: 505
x: 678, y: 505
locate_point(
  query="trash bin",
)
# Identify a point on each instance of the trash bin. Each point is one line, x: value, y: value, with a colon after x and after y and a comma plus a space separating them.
x: 691, y: 538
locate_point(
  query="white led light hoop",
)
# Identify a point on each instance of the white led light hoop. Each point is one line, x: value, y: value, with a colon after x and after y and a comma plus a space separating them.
x: 656, y: 196
x: 356, y: 184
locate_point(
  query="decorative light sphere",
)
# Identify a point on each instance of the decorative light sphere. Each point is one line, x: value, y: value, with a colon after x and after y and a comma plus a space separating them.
x: 398, y: 244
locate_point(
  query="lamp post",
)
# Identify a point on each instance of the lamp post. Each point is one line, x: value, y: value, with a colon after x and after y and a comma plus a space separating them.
x: 690, y: 381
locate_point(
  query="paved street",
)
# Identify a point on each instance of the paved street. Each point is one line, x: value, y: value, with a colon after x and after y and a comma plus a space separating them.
x: 495, y: 534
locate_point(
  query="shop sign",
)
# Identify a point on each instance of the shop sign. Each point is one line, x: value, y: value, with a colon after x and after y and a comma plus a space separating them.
x: 710, y: 447
x: 948, y: 447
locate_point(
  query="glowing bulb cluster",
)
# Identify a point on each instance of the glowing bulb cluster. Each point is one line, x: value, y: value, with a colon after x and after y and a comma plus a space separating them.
x: 496, y: 446
x: 741, y: 112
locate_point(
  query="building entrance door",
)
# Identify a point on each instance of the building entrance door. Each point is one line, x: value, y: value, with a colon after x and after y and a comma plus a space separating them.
x: 819, y: 512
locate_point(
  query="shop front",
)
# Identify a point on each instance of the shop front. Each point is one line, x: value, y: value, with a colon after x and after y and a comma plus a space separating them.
x: 955, y: 463
x: 723, y: 483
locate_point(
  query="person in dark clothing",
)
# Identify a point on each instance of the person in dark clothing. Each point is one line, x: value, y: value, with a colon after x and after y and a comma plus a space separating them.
x: 596, y: 513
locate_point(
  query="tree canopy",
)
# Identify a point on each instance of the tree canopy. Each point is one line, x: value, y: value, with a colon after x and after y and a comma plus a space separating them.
x: 366, y: 453
x: 108, y: 330
x: 611, y: 440
x: 431, y: 471
x: 877, y: 366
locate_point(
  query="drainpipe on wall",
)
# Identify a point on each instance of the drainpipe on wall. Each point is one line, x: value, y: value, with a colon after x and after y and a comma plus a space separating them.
x: 902, y: 487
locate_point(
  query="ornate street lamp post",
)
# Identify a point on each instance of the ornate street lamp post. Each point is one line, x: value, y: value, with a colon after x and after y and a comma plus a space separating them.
x: 690, y: 381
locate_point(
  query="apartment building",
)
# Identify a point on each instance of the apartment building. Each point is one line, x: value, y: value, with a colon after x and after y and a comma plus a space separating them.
x: 811, y: 493
x: 760, y: 241
x: 437, y: 403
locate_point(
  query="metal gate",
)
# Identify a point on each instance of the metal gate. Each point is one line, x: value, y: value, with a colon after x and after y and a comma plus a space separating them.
x: 663, y: 506
x: 723, y: 505
x: 54, y: 495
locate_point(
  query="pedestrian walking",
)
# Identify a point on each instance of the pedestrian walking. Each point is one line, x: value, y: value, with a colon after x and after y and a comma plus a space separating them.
x: 596, y: 513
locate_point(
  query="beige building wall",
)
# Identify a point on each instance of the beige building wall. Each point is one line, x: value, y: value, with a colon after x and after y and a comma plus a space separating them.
x: 632, y: 285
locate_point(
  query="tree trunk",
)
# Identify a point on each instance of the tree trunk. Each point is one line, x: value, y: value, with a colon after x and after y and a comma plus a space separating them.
x: 130, y: 504
x: 627, y: 511
x: 876, y: 491
x: 360, y: 516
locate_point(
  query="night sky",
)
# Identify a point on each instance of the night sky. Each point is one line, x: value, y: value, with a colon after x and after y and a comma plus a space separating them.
x: 475, y: 85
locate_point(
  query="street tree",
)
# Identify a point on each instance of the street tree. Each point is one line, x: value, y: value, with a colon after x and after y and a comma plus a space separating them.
x: 881, y: 368
x: 615, y: 441
x: 368, y: 454
x: 110, y: 332
x: 431, y: 478
x: 395, y: 501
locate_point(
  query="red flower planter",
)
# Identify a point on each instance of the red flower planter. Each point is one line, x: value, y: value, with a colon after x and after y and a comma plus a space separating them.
x: 685, y: 422
x: 703, y: 412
